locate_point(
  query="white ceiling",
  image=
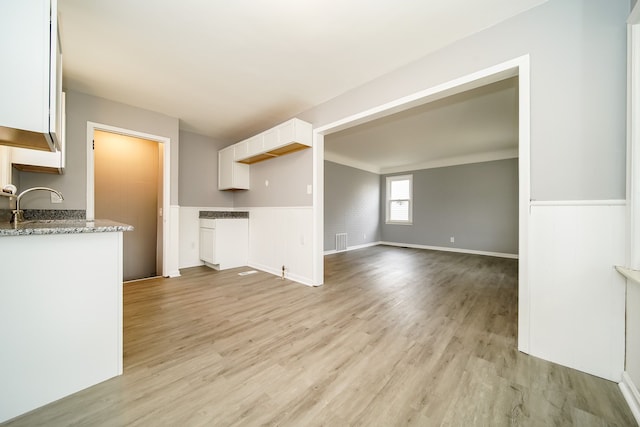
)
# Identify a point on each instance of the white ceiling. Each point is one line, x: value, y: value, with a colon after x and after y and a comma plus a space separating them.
x: 230, y: 69
x: 477, y: 125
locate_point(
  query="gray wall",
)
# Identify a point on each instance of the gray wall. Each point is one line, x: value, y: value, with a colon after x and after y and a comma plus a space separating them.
x: 475, y: 203
x: 351, y: 205
x: 199, y: 172
x: 288, y: 178
x: 82, y: 108
x: 577, y: 50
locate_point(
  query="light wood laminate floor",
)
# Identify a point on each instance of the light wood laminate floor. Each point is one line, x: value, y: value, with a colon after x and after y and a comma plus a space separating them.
x: 395, y: 337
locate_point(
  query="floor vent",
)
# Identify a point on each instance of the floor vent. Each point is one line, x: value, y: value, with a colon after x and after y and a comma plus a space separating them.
x: 341, y: 242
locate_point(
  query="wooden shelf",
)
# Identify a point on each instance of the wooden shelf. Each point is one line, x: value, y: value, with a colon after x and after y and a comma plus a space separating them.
x: 287, y: 149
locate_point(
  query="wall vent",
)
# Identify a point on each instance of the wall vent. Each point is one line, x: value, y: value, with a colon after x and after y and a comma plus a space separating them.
x: 341, y: 242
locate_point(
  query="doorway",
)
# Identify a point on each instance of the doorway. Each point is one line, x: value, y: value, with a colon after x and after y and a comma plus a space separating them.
x: 128, y: 189
x: 166, y: 256
x: 516, y: 67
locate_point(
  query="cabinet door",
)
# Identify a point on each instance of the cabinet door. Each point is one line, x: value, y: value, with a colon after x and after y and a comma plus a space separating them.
x: 31, y: 86
x: 255, y: 145
x: 207, y: 245
x: 241, y: 150
x: 295, y: 131
x: 240, y: 176
x: 231, y: 175
x: 225, y: 168
x: 270, y: 139
x: 56, y: 101
x: 5, y: 166
x: 286, y: 133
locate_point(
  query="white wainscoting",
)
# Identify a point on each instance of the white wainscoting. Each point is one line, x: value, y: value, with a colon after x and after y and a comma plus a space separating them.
x: 631, y: 395
x: 577, y: 299
x: 631, y: 376
x: 282, y: 236
x: 172, y: 265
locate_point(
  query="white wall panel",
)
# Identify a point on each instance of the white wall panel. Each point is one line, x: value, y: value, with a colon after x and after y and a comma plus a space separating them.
x: 282, y: 236
x: 577, y: 297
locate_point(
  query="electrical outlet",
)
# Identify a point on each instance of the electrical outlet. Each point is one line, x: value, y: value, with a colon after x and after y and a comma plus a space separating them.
x: 452, y: 239
x: 55, y: 198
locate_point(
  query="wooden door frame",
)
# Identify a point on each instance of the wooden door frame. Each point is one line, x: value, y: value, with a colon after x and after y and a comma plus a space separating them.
x: 167, y: 217
x: 520, y: 67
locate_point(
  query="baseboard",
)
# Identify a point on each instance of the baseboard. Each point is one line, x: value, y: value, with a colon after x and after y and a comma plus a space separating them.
x: 353, y: 248
x: 631, y: 395
x: 276, y: 272
x: 445, y: 249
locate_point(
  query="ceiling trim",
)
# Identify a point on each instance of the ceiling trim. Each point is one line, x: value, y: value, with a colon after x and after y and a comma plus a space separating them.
x: 490, y: 156
x: 346, y: 161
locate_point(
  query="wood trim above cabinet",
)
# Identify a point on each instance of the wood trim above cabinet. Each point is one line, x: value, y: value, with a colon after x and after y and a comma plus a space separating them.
x: 287, y: 149
x: 25, y: 139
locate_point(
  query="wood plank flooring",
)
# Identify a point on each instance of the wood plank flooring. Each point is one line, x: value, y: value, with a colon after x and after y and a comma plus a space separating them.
x: 395, y: 337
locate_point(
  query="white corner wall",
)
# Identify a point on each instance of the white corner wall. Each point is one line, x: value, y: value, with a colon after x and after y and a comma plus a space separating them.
x: 282, y: 236
x: 577, y: 297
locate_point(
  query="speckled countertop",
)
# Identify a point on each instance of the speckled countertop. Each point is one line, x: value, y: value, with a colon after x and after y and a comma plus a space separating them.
x: 61, y: 226
x: 224, y: 214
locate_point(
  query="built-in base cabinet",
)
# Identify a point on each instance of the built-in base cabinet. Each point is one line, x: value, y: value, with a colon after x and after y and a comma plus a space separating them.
x: 224, y: 243
x: 61, y: 316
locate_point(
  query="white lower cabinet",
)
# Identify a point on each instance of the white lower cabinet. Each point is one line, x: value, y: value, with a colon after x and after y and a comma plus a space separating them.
x: 224, y: 242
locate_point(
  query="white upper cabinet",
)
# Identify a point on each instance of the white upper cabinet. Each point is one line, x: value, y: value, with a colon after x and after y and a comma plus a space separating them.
x: 231, y: 174
x: 27, y: 160
x: 31, y: 74
x: 234, y: 161
x: 5, y: 166
x: 291, y: 136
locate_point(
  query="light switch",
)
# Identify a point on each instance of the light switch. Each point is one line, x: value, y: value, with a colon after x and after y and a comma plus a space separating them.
x: 309, y: 188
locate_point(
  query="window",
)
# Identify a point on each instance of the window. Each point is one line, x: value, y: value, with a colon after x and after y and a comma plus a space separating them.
x: 399, y: 199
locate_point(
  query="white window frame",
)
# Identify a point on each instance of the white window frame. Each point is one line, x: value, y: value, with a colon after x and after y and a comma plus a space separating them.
x: 388, y: 201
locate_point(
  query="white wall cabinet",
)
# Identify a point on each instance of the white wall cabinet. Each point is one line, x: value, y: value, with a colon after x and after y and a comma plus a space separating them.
x: 5, y: 166
x: 31, y: 75
x: 233, y: 161
x: 28, y: 160
x: 291, y: 136
x: 231, y: 174
x: 224, y: 243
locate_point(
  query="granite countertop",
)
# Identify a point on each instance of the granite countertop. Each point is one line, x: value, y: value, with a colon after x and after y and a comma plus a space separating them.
x: 61, y: 226
x: 224, y: 214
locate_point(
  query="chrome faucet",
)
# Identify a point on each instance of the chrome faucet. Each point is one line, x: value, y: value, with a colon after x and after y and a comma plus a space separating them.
x: 18, y: 214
